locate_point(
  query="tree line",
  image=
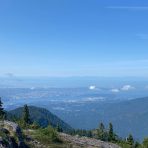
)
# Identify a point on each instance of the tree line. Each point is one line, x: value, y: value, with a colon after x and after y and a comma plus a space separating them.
x: 101, y: 133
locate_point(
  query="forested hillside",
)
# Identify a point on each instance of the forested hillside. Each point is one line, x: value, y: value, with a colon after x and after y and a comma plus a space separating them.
x: 41, y: 116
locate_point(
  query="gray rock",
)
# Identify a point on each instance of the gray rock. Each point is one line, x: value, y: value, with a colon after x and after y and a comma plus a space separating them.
x: 86, y: 142
x: 15, y: 129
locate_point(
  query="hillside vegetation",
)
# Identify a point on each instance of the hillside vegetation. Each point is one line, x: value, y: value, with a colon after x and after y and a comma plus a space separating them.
x: 41, y: 116
x: 30, y: 131
x: 130, y: 116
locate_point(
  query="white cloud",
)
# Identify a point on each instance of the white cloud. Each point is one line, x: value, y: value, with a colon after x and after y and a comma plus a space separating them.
x: 92, y: 87
x: 127, y: 88
x: 115, y: 90
x: 128, y: 7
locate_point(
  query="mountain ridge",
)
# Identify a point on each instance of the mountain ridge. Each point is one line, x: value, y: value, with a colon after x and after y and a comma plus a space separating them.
x: 41, y: 116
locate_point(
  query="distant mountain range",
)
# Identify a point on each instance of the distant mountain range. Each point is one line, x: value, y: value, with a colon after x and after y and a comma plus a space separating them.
x: 130, y: 116
x: 41, y: 116
x: 84, y: 108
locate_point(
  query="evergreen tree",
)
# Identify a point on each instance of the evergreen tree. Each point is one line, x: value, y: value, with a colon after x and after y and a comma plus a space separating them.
x: 102, y: 127
x: 137, y: 145
x: 89, y: 134
x: 130, y: 140
x: 59, y: 129
x: 2, y: 113
x: 111, y: 136
x: 26, y: 116
x: 101, y: 132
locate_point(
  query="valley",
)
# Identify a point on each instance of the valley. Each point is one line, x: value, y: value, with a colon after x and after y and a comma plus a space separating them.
x: 80, y: 106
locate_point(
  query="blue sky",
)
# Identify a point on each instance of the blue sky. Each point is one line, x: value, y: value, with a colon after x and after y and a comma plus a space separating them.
x: 74, y: 37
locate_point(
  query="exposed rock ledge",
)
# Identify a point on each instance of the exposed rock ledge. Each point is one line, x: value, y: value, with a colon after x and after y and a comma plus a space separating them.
x: 14, y: 129
x: 86, y: 142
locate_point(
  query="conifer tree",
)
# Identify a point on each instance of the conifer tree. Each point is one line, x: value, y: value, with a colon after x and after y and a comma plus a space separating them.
x: 26, y: 115
x: 101, y: 132
x: 102, y: 127
x: 59, y: 129
x: 130, y: 140
x: 89, y: 134
x: 111, y: 136
x: 2, y: 113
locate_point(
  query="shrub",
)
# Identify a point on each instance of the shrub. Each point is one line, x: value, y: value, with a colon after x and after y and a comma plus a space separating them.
x: 46, y: 135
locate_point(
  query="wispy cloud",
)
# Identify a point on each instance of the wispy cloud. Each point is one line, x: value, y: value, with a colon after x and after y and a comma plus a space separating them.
x: 128, y: 7
x: 143, y: 36
x: 127, y: 88
x: 115, y: 90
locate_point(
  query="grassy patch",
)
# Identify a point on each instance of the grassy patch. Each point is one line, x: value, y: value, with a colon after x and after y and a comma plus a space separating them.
x: 45, y: 135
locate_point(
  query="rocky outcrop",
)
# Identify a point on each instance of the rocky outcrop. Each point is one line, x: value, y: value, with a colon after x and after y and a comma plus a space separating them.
x: 86, y: 142
x: 12, y: 129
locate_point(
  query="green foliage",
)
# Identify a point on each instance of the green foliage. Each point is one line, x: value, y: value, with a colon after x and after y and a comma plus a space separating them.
x: 130, y: 140
x: 81, y: 132
x: 41, y: 116
x: 26, y: 116
x: 137, y: 145
x: 145, y: 143
x: 34, y: 126
x: 59, y: 129
x: 101, y: 133
x: 2, y: 113
x: 111, y: 135
x: 106, y: 135
x: 89, y: 133
x: 124, y: 144
x: 46, y: 135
